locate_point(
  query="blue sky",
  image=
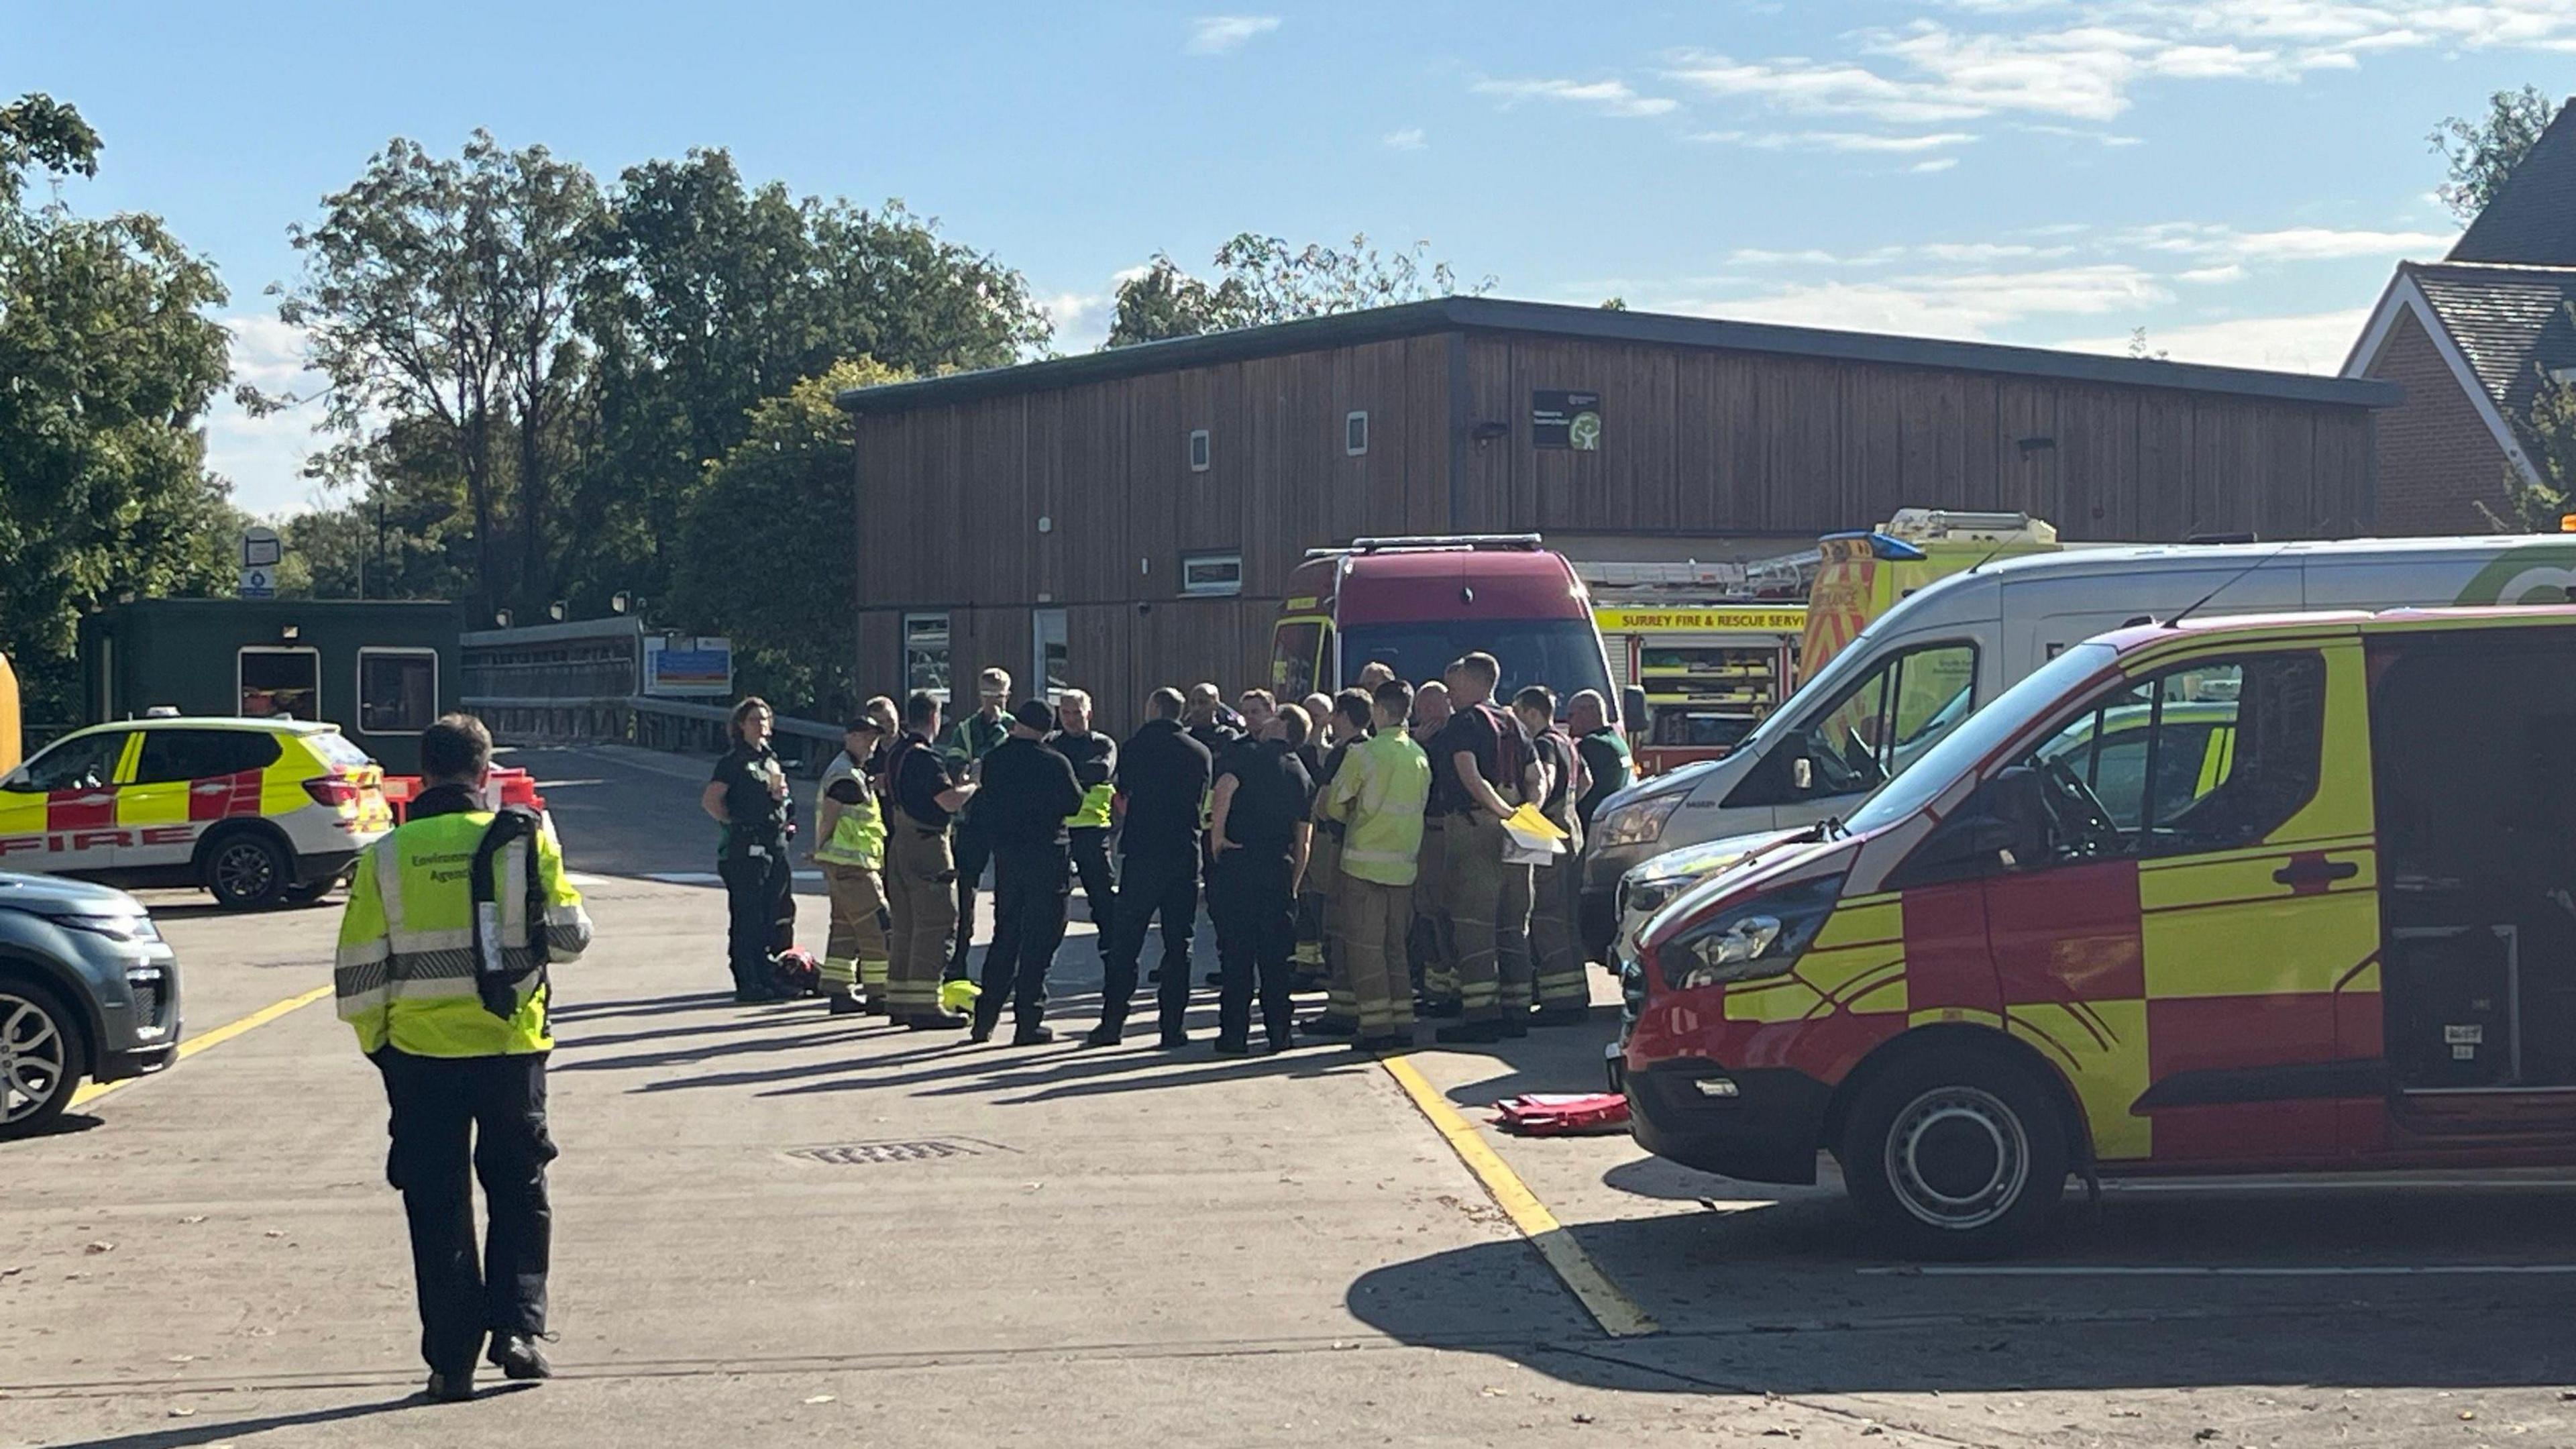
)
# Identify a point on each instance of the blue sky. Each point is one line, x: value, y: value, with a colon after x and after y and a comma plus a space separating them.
x: 2236, y: 176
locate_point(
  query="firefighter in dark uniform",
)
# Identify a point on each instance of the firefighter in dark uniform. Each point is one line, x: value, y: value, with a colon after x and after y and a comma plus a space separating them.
x: 1094, y: 758
x: 1260, y: 832
x: 964, y: 747
x: 1162, y: 781
x: 748, y: 797
x: 1027, y: 792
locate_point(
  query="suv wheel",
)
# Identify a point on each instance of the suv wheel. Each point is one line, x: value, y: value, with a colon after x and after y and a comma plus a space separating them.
x: 247, y: 871
x: 41, y: 1060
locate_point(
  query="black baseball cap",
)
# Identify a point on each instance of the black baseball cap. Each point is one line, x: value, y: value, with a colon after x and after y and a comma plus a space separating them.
x: 1037, y: 714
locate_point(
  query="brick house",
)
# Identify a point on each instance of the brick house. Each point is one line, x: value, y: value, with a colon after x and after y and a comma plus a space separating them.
x: 2471, y: 339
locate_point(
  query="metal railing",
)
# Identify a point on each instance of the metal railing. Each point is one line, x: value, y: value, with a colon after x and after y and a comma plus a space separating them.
x: 675, y: 725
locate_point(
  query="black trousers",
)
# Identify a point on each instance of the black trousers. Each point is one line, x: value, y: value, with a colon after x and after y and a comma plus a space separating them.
x: 489, y: 1112
x: 1256, y: 931
x: 1149, y: 886
x: 756, y: 891
x: 973, y: 850
x: 1029, y: 894
x: 1099, y: 881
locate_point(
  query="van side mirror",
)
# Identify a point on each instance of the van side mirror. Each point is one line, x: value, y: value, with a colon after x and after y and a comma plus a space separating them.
x: 1634, y: 713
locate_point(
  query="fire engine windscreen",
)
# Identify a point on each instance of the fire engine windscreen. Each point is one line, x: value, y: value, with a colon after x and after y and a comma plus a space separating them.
x: 1563, y: 654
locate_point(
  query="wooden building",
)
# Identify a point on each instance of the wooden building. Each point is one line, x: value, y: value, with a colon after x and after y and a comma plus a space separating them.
x: 1124, y: 519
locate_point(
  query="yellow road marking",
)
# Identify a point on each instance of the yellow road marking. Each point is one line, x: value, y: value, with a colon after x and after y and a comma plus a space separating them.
x: 92, y: 1091
x: 1609, y: 1304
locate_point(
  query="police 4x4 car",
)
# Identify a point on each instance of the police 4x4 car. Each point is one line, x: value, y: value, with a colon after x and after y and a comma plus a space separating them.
x: 2287, y: 894
x: 87, y: 989
x: 257, y: 811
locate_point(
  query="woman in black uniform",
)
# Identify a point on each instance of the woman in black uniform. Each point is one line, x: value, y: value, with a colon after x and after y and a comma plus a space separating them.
x: 748, y: 797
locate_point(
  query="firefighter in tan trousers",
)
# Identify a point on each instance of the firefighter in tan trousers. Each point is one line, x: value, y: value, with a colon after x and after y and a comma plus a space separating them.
x: 850, y: 841
x: 921, y: 870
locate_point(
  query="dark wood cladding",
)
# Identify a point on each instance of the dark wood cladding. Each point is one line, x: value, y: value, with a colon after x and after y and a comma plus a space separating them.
x: 1709, y: 442
x: 1081, y: 497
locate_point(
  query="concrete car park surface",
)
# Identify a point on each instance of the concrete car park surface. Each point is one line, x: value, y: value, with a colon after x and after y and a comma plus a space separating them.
x: 784, y: 1228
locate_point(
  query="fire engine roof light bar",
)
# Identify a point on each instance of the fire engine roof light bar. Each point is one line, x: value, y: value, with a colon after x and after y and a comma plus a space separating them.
x: 1427, y: 541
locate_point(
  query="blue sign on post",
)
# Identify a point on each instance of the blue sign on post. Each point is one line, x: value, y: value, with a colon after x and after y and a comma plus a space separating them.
x: 701, y: 666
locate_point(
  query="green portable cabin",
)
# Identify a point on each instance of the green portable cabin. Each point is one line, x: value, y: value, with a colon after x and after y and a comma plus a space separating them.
x: 379, y: 669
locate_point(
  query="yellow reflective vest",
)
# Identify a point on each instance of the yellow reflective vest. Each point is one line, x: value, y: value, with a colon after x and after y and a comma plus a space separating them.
x: 1380, y: 792
x: 858, y: 831
x: 404, y: 971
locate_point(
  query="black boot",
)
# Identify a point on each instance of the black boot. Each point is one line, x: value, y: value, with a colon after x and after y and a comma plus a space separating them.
x: 935, y: 1021
x: 1103, y: 1035
x: 1469, y: 1033
x: 455, y: 1388
x: 1032, y: 1035
x: 840, y: 1005
x: 518, y: 1358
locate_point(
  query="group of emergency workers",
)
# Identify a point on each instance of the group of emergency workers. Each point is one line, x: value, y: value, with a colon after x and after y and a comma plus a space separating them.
x: 1360, y: 837
x: 1355, y: 843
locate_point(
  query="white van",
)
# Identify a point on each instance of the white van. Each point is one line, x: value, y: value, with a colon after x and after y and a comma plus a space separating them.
x: 1924, y: 665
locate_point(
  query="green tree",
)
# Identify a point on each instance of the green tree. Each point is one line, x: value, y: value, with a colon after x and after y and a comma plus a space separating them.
x: 2482, y: 153
x: 710, y: 296
x: 440, y: 292
x: 785, y: 497
x: 2537, y: 502
x: 1262, y: 279
x: 107, y: 365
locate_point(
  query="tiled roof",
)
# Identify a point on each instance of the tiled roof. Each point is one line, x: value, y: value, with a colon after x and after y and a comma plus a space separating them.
x: 2532, y: 219
x: 2512, y: 323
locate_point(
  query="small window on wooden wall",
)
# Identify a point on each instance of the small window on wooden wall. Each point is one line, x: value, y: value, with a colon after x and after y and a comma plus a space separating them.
x: 1355, y: 433
x: 1199, y: 450
x: 1211, y: 573
x: 925, y: 653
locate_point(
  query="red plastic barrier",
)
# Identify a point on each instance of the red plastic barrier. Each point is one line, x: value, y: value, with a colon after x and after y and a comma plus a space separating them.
x: 515, y: 787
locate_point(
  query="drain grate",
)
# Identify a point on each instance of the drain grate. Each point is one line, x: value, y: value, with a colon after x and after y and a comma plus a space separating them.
x: 918, y: 1149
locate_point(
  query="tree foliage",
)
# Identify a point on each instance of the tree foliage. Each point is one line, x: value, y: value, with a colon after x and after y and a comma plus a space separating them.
x: 1262, y: 279
x: 2537, y: 501
x: 107, y: 365
x: 2482, y: 153
x: 766, y: 541
x: 438, y: 292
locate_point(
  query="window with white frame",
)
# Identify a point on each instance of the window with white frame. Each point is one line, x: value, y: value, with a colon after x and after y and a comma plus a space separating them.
x: 1212, y: 573
x: 1355, y: 433
x: 397, y: 690
x: 1047, y: 629
x: 1199, y: 450
x: 925, y: 654
x: 279, y: 683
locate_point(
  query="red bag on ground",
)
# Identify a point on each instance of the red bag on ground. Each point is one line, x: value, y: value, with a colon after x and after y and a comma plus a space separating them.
x: 1563, y: 1114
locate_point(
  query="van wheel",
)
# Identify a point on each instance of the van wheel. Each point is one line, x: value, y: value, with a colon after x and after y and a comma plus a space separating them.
x: 1956, y: 1154
x: 41, y: 1059
x: 246, y: 871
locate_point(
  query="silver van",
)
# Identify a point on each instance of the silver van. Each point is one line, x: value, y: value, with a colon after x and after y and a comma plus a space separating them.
x: 1927, y: 663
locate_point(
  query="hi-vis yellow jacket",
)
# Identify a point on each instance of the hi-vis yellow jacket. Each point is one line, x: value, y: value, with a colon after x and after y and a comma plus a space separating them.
x: 404, y: 973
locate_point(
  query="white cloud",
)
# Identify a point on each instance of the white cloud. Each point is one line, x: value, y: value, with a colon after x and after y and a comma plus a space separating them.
x: 1972, y: 305
x: 1864, y: 141
x: 1225, y: 34
x: 1081, y: 318
x: 2087, y: 66
x: 2213, y: 276
x: 264, y: 457
x: 2313, y: 342
x: 2286, y: 244
x: 1939, y: 163
x: 1610, y: 97
x: 1408, y: 139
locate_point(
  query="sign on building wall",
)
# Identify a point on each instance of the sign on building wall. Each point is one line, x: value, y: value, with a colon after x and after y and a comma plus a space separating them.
x: 682, y: 666
x: 1562, y: 419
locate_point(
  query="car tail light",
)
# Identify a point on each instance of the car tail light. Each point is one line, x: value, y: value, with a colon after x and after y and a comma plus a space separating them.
x: 334, y: 792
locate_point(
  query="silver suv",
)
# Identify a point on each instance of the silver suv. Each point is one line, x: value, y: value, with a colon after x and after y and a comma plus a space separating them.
x: 87, y: 989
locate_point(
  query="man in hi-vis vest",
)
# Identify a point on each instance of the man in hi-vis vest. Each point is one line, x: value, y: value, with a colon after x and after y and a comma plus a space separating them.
x: 452, y: 921
x: 850, y: 841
